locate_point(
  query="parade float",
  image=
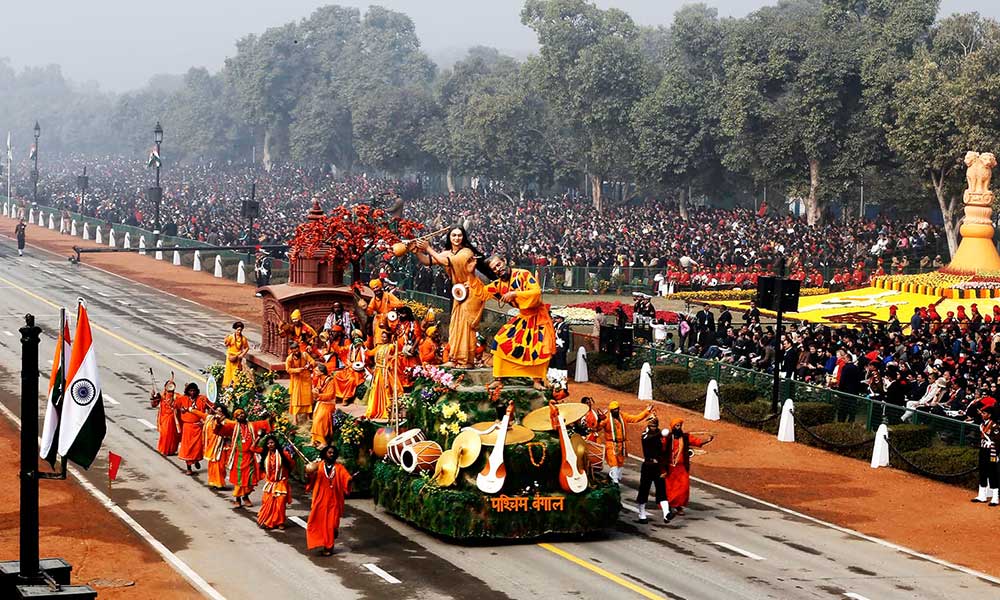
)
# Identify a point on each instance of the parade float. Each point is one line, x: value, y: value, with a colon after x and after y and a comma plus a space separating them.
x: 451, y: 455
x: 971, y: 279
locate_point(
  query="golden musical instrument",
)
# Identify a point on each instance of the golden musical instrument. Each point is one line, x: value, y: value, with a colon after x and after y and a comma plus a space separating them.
x: 516, y: 434
x: 580, y: 448
x: 446, y: 468
x: 538, y: 419
x: 467, y: 446
x: 401, y: 247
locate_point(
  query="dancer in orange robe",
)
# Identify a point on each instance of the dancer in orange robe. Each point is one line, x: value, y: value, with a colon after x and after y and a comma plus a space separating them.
x: 326, y: 404
x: 242, y: 467
x: 678, y: 445
x: 275, y: 465
x: 347, y: 380
x: 191, y: 450
x: 237, y: 348
x: 299, y: 365
x: 329, y: 482
x: 167, y: 422
x: 385, y: 386
x: 615, y: 432
x: 379, y: 306
x: 216, y: 445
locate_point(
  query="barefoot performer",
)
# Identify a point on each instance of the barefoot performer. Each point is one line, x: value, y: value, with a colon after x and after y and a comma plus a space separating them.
x: 190, y: 406
x: 237, y: 347
x: 167, y: 421
x: 329, y: 482
x: 678, y: 447
x: 242, y: 465
x: 275, y: 465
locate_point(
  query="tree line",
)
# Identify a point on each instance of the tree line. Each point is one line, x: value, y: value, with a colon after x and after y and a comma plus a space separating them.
x: 811, y: 99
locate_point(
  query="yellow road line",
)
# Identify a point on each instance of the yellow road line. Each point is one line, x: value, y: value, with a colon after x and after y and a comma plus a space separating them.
x: 557, y: 551
x: 607, y: 575
x: 105, y: 331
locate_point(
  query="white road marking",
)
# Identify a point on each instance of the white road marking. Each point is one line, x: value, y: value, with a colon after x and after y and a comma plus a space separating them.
x: 146, y: 423
x: 298, y: 521
x: 182, y: 567
x: 147, y: 354
x: 103, y: 295
x: 142, y: 310
x: 9, y: 333
x: 378, y: 571
x: 855, y: 596
x: 851, y: 532
x: 111, y: 400
x: 739, y: 550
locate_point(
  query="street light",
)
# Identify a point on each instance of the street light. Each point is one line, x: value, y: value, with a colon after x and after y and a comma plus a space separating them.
x: 82, y: 181
x: 34, y: 170
x: 156, y: 193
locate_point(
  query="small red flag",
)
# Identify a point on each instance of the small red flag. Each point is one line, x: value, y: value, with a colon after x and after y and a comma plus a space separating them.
x: 114, y: 461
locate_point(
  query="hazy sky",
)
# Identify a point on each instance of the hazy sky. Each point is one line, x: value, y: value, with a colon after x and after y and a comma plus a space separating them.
x: 121, y: 43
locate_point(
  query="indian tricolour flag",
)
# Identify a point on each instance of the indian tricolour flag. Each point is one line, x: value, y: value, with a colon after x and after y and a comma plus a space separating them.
x: 53, y: 407
x: 154, y: 158
x: 82, y: 426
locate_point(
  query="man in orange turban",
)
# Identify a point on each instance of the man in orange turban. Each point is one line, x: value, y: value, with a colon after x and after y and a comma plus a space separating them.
x: 678, y: 447
x: 381, y: 304
x: 614, y: 433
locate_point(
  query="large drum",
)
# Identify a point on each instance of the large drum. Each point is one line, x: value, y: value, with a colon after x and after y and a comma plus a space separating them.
x: 420, y: 457
x: 595, y: 453
x: 395, y: 447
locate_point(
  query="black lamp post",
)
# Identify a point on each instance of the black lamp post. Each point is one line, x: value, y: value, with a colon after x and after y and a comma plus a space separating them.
x: 82, y: 181
x: 156, y: 193
x: 34, y: 170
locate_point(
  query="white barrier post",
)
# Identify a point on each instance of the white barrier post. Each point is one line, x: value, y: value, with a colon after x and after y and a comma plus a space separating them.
x: 218, y: 266
x: 142, y: 245
x: 786, y: 428
x: 197, y: 260
x: 111, y: 238
x: 62, y: 225
x: 72, y: 227
x: 52, y: 222
x: 31, y: 216
x: 6, y: 209
x: 880, y: 451
x: 86, y: 230
x: 646, y: 382
x: 581, y: 375
x: 711, y: 401
x: 127, y: 244
x: 159, y: 253
x: 177, y: 258
x: 241, y: 273
x: 98, y: 237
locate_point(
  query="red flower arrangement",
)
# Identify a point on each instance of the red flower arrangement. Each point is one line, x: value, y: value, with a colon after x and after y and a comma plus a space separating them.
x: 347, y: 233
x: 608, y: 308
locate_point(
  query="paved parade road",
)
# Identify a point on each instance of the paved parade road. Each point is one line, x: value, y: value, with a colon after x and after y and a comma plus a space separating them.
x: 727, y: 547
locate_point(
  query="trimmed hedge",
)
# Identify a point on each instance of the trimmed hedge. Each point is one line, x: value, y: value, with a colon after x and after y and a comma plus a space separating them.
x: 750, y: 413
x: 812, y: 414
x: 737, y: 393
x: 686, y: 395
x: 942, y: 460
x: 838, y: 434
x: 667, y: 374
x: 907, y: 438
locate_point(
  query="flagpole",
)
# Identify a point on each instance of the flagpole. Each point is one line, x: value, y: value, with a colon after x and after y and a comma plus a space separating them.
x: 29, y: 450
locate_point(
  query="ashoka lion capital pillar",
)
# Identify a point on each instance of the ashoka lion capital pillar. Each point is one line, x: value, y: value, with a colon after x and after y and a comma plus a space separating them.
x: 977, y: 253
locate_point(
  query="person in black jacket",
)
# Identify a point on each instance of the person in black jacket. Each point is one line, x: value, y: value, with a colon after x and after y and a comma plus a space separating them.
x: 653, y: 470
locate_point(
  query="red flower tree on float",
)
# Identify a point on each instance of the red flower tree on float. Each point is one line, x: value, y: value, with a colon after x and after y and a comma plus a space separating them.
x: 346, y: 234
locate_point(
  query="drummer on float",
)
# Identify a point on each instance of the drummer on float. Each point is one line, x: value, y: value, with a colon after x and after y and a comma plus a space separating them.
x: 460, y: 262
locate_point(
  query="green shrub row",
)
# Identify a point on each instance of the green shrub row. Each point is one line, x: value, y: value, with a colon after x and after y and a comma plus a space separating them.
x: 742, y: 404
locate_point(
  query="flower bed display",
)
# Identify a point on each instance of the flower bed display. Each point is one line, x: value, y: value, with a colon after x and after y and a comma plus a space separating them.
x: 577, y: 311
x: 745, y: 294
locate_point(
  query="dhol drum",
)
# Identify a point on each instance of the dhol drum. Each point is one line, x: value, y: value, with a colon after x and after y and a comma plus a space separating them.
x: 595, y: 453
x: 396, y: 446
x: 420, y: 457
